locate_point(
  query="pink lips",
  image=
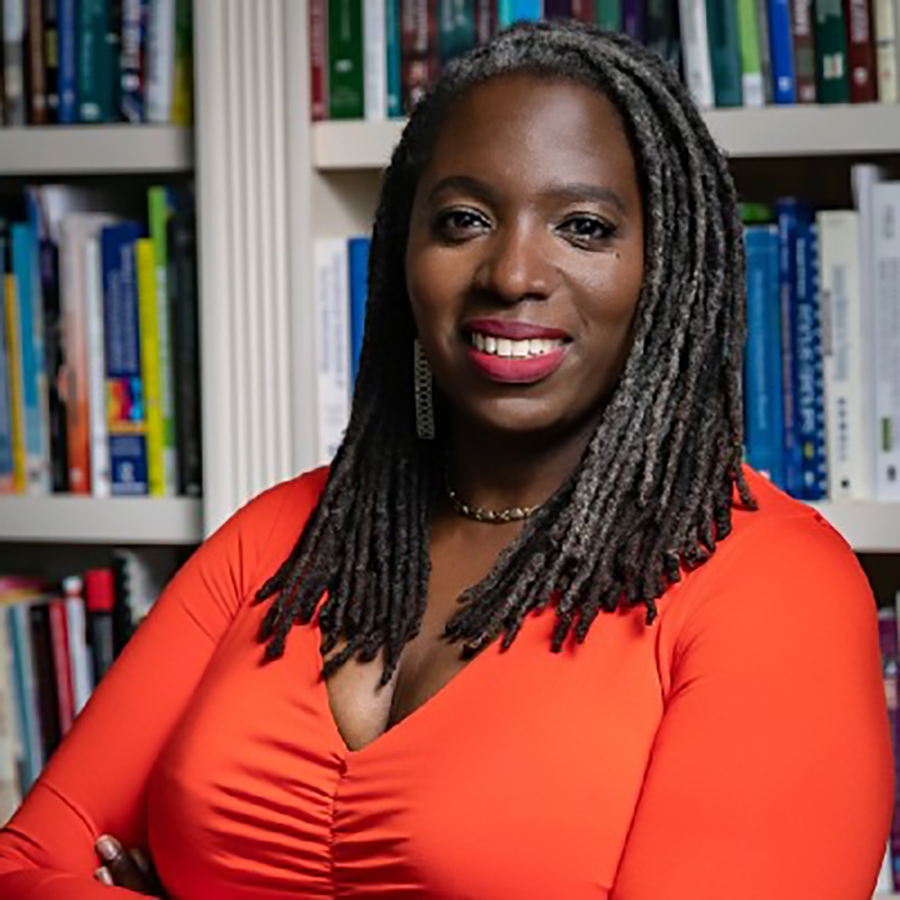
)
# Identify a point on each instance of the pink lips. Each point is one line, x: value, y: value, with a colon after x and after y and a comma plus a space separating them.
x: 516, y: 370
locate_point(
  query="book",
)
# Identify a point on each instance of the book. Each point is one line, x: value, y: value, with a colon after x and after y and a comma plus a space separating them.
x: 62, y: 664
x: 832, y: 77
x: 126, y: 417
x: 345, y: 60
x: 781, y: 48
x: 7, y: 466
x: 843, y: 349
x: 37, y: 71
x: 885, y: 15
x: 16, y: 398
x: 358, y: 255
x: 804, y: 50
x: 318, y: 57
x: 183, y: 64
x: 663, y: 31
x: 131, y: 93
x: 10, y: 739
x: 695, y: 49
x: 764, y: 413
x: 160, y: 60
x: 374, y: 60
x: 393, y: 58
x: 68, y: 70
x: 634, y: 19
x: 765, y: 50
x: 331, y: 267
x: 420, y: 58
x: 14, y: 102
x: 860, y: 51
x: 456, y: 28
x: 51, y: 58
x: 486, y: 20
x: 91, y: 28
x: 76, y: 634
x: 752, y: 86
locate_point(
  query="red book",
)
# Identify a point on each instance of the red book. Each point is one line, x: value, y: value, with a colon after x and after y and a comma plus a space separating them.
x: 804, y: 46
x: 861, y: 51
x: 485, y: 20
x: 62, y: 665
x: 419, y: 50
x: 584, y: 11
x: 318, y: 58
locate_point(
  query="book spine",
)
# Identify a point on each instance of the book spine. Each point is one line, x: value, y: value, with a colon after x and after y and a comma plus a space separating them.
x: 11, y: 752
x: 345, y: 60
x: 765, y: 51
x: 861, y: 51
x: 16, y: 391
x: 124, y: 388
x: 25, y: 691
x: 418, y: 43
x: 695, y: 47
x: 374, y: 60
x: 318, y: 58
x: 456, y: 31
x: 485, y: 20
x: 332, y: 339
x: 557, y: 9
x: 45, y: 677
x: 7, y: 467
x: 97, y: 429
x: 37, y: 82
x: 182, y: 281
x: 764, y: 379
x: 787, y: 286
x: 183, y: 64
x: 662, y: 31
x: 784, y: 82
x: 634, y: 20
x: 90, y: 35
x: 886, y: 50
x: 68, y: 68
x: 51, y: 58
x: 832, y: 78
x: 110, y: 64
x: 393, y: 58
x: 752, y: 88
x: 527, y: 10
x: 132, y: 105
x: 150, y: 365
x: 589, y: 11
x: 358, y: 250
x: 810, y: 408
x: 62, y: 665
x: 842, y: 349
x: 886, y: 197
x: 159, y: 211
x: 505, y: 13
x: 14, y: 62
x: 724, y: 52
x: 76, y: 632
x: 608, y: 14
x: 804, y: 50
x: 33, y: 373
x: 160, y: 60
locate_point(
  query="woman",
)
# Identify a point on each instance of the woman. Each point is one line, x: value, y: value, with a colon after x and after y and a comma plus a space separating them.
x: 571, y: 648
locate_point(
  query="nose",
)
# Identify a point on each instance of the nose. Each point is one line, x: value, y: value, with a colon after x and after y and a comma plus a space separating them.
x: 515, y: 265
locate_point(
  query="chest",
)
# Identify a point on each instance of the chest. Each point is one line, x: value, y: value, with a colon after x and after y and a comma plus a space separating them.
x: 518, y: 778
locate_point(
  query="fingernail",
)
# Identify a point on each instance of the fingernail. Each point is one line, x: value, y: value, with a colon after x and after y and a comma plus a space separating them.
x: 107, y: 848
x: 102, y: 875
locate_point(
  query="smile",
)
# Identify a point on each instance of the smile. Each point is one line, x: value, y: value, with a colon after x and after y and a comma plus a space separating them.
x: 507, y: 348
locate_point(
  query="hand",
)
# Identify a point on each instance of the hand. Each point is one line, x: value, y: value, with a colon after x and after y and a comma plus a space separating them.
x: 130, y: 869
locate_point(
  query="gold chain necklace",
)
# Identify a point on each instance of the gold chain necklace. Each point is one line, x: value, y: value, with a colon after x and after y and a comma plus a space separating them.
x: 480, y: 514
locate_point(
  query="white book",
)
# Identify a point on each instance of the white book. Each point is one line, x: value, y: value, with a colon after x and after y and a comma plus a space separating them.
x: 847, y: 439
x: 332, y: 328
x: 863, y: 178
x: 79, y: 654
x: 160, y: 60
x: 98, y: 429
x: 886, y: 347
x: 695, y: 43
x: 14, y: 61
x: 374, y: 60
x: 884, y: 15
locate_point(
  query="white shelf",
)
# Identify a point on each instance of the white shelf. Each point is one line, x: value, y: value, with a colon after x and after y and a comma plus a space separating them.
x: 91, y: 520
x: 773, y: 131
x: 95, y: 149
x: 867, y: 527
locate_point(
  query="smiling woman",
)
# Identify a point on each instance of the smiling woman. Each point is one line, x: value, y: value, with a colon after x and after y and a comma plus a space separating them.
x: 536, y: 633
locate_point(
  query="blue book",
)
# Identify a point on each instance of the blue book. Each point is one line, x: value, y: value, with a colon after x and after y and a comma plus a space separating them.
x: 763, y: 380
x: 33, y: 372
x: 25, y: 690
x: 530, y: 10
x: 392, y: 52
x: 786, y: 211
x: 506, y: 13
x: 781, y: 52
x: 358, y: 254
x: 126, y: 418
x: 68, y: 65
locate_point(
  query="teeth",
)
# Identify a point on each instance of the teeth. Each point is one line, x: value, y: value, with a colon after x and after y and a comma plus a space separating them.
x: 505, y: 347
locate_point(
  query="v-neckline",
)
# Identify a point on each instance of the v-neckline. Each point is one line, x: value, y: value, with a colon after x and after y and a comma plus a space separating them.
x: 438, y: 698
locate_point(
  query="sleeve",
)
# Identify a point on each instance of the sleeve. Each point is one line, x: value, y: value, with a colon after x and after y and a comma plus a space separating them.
x: 96, y: 781
x: 771, y: 774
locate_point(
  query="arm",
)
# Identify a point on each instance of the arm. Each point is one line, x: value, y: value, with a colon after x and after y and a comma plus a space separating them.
x: 96, y: 782
x: 771, y: 774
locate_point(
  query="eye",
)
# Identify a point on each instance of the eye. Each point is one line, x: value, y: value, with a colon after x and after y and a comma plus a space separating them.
x: 458, y: 224
x: 584, y: 230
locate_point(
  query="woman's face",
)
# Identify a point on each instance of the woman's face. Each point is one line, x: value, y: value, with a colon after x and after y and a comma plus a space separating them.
x: 526, y: 255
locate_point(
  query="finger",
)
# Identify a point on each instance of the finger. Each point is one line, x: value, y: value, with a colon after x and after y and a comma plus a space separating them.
x: 120, y: 865
x: 102, y: 875
x: 140, y: 860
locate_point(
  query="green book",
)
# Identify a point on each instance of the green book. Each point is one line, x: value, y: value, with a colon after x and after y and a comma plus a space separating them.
x: 832, y: 78
x: 345, y: 60
x: 609, y: 14
x: 456, y: 22
x: 752, y: 86
x: 724, y: 51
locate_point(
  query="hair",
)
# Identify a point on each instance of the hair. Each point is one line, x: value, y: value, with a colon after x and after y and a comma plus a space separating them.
x: 654, y: 490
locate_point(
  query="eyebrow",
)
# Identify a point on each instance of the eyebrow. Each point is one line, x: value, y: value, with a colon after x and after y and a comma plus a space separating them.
x: 570, y: 191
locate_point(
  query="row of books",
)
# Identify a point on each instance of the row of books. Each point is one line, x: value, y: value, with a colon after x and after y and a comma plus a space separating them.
x: 99, y: 359
x: 822, y: 378
x: 70, y: 62
x: 374, y: 60
x: 57, y: 641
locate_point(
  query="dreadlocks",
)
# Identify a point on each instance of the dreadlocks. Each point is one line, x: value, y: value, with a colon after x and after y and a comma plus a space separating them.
x: 654, y: 490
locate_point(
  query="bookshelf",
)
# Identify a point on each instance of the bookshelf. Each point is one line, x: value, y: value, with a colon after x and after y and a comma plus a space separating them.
x: 95, y: 150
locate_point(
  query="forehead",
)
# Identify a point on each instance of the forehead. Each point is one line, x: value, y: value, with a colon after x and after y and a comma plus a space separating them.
x: 527, y: 124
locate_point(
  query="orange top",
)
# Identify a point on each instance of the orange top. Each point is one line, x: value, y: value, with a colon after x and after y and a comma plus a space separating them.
x: 738, y: 748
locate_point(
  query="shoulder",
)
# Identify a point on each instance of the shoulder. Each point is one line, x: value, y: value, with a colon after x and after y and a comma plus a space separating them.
x: 784, y: 584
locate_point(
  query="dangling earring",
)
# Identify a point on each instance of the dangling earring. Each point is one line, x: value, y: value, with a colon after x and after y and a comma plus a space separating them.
x: 422, y: 382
